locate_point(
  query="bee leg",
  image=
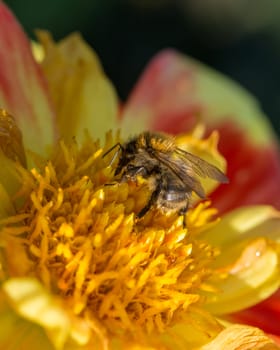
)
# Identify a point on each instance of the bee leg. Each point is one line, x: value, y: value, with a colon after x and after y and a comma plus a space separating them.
x: 182, y: 212
x: 150, y: 203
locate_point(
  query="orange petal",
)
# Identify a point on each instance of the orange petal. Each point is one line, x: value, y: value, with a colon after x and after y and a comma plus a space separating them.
x: 23, y: 90
x: 253, y: 170
x: 175, y: 91
x: 163, y: 98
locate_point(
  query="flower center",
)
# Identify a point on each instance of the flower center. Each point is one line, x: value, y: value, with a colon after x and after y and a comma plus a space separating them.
x: 77, y: 232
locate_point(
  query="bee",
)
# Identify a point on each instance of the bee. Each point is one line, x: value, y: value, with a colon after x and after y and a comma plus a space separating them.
x: 172, y: 174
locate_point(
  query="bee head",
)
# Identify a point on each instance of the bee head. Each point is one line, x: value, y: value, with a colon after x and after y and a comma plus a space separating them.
x: 126, y: 155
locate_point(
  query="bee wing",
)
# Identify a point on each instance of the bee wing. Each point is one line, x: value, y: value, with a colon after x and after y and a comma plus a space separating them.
x: 182, y: 171
x: 201, y: 167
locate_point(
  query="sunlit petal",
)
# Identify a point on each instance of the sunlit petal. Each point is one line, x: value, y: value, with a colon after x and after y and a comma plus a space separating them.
x: 249, y: 258
x: 17, y: 333
x: 30, y: 300
x: 250, y: 279
x: 245, y: 223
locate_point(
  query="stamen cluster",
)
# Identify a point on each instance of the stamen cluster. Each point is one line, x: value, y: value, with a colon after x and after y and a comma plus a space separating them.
x: 79, y: 233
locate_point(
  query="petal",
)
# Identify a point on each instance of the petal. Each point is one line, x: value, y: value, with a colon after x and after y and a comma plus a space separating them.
x: 31, y: 301
x: 17, y: 333
x: 265, y: 315
x: 163, y: 97
x: 249, y: 258
x: 245, y: 223
x: 175, y: 91
x: 252, y: 277
x: 23, y: 90
x: 237, y: 337
x: 194, y: 330
x: 83, y: 96
x: 253, y: 170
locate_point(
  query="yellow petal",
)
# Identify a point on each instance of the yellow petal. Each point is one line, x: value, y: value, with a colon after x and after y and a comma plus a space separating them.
x: 83, y: 96
x: 238, y: 337
x: 17, y: 333
x: 37, y: 51
x: 31, y: 301
x: 224, y: 99
x: 191, y: 334
x: 244, y: 223
x: 249, y: 259
x: 250, y: 279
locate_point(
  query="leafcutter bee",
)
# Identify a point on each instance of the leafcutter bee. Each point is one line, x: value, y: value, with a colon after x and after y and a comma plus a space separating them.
x: 172, y: 174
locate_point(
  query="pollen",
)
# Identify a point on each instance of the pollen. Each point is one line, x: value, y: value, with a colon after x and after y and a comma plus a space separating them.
x: 77, y: 231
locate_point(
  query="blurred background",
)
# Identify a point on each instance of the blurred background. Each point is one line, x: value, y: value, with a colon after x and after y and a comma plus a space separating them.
x: 240, y: 38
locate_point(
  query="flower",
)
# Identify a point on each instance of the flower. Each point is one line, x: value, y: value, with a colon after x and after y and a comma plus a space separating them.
x: 78, y: 269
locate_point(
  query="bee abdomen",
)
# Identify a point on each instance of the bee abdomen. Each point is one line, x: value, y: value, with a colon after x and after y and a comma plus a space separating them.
x: 173, y: 200
x: 174, y: 196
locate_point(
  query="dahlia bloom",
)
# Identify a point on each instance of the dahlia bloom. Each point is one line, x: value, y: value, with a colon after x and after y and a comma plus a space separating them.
x: 78, y: 269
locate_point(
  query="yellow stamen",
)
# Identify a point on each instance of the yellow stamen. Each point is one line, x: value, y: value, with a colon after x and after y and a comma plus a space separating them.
x: 79, y: 232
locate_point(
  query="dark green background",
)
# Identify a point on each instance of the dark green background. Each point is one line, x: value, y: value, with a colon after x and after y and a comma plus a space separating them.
x: 240, y: 38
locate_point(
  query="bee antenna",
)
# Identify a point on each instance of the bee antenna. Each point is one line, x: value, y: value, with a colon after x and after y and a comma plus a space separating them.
x: 116, y: 153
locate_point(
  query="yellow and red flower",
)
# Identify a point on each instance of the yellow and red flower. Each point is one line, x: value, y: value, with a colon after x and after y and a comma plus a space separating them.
x: 78, y: 271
